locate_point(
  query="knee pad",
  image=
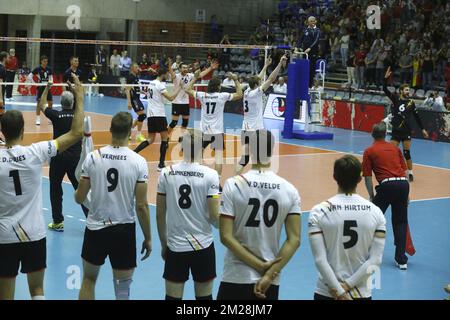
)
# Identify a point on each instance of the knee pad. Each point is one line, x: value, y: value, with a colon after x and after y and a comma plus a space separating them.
x: 407, y: 154
x: 173, y: 124
x: 185, y: 123
x: 142, y: 117
x: 122, y: 288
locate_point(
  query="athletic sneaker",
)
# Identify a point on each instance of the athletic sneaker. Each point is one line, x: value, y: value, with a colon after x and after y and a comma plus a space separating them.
x: 140, y: 138
x: 2, y: 143
x: 401, y: 266
x: 411, y: 177
x: 38, y: 121
x: 58, y: 227
x: 160, y: 167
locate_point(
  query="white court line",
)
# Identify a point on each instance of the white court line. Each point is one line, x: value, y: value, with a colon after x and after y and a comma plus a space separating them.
x: 69, y: 216
x: 45, y: 209
x: 430, y: 199
x: 31, y: 104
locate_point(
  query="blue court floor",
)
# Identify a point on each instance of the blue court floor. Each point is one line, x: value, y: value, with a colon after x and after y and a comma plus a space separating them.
x: 428, y: 272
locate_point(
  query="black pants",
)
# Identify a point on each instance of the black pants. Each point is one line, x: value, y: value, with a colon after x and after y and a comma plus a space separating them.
x: 10, y: 75
x: 395, y: 194
x: 59, y: 167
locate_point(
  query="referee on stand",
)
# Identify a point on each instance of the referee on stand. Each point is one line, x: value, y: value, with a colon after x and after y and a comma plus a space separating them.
x: 309, y: 43
x: 387, y: 162
x: 64, y: 163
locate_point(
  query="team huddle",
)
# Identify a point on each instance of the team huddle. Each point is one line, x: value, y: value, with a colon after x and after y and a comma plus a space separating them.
x: 346, y: 232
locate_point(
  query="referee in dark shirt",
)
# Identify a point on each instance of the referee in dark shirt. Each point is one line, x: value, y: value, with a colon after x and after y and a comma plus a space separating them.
x: 64, y: 163
x: 387, y: 162
x: 309, y: 43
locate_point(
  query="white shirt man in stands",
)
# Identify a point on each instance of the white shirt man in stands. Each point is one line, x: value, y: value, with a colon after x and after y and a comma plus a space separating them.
x: 254, y: 107
x: 228, y: 81
x: 117, y: 178
x: 213, y: 106
x: 280, y: 87
x: 255, y: 208
x: 347, y: 237
x: 22, y: 227
x: 187, y: 205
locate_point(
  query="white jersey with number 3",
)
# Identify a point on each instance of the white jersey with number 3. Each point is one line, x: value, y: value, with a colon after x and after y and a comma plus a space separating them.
x: 253, y: 110
x: 348, y: 224
x: 21, y: 218
x: 187, y: 187
x: 259, y: 203
x: 213, y: 105
x: 156, y: 107
x: 113, y: 173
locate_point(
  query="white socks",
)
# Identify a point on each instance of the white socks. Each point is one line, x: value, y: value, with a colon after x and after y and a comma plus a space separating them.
x: 38, y: 298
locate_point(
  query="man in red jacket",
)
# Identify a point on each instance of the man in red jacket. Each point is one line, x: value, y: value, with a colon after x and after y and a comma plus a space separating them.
x: 12, y: 64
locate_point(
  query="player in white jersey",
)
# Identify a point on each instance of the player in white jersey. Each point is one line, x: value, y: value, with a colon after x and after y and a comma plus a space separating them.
x: 187, y: 205
x: 347, y: 236
x: 254, y: 107
x: 213, y: 105
x: 180, y: 105
x: 255, y: 207
x: 117, y: 178
x: 22, y: 228
x: 156, y: 115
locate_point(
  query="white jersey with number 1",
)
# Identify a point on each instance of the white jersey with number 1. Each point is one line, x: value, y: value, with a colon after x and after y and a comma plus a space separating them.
x: 113, y: 173
x: 253, y: 110
x: 21, y: 218
x: 187, y: 187
x: 259, y: 203
x: 348, y: 224
x: 156, y: 107
x: 213, y: 105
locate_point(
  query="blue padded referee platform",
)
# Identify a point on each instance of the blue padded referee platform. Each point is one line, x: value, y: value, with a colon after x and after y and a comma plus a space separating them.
x: 297, y: 94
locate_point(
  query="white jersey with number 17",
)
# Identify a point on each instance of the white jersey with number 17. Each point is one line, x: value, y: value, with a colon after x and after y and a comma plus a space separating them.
x: 259, y: 203
x: 21, y: 218
x: 213, y: 105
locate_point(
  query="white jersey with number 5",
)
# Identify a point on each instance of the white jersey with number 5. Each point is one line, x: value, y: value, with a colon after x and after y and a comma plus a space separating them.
x: 113, y: 173
x: 213, y: 105
x: 187, y: 187
x: 156, y: 107
x: 259, y: 203
x: 21, y: 218
x: 253, y: 110
x: 348, y: 224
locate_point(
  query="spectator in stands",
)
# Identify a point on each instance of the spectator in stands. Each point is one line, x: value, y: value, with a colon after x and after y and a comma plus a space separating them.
x: 280, y: 87
x: 282, y: 10
x: 360, y: 66
x: 144, y: 67
x: 405, y: 64
x: 114, y: 63
x: 225, y: 54
x: 371, y: 61
x: 24, y: 70
x: 380, y: 67
x: 334, y: 46
x: 441, y: 61
x: 435, y: 102
x: 344, y: 43
x: 215, y: 32
x: 254, y: 61
x: 125, y: 64
x: 417, y: 67
x: 427, y: 70
x: 228, y: 81
x: 154, y: 69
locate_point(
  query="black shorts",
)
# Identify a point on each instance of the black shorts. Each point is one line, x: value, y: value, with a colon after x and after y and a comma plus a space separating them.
x: 217, y: 141
x: 31, y: 256
x: 137, y: 105
x: 118, y: 242
x: 321, y: 297
x: 180, y: 109
x: 400, y: 136
x: 40, y: 91
x: 239, y: 291
x: 156, y: 124
x: 202, y: 264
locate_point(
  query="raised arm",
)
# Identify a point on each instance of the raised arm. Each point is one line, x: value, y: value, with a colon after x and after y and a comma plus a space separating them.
x: 388, y: 93
x: 211, y: 68
x: 190, y: 89
x: 76, y: 131
x: 172, y: 73
x: 173, y: 96
x: 238, y: 94
x: 273, y: 76
x: 42, y: 104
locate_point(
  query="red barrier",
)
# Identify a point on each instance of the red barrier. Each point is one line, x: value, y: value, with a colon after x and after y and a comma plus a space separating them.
x: 353, y: 116
x: 28, y: 90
